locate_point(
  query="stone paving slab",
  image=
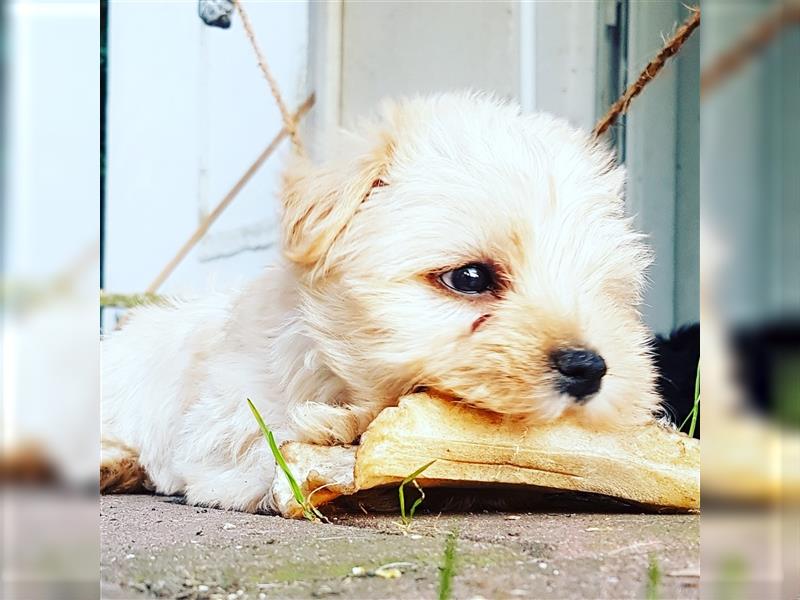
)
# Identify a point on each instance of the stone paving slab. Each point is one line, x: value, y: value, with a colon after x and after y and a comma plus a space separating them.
x: 154, y: 546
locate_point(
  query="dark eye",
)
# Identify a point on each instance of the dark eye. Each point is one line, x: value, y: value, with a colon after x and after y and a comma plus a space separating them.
x: 470, y: 279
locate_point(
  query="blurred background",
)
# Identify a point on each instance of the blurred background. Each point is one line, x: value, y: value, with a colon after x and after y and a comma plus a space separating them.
x: 185, y: 114
x: 49, y: 259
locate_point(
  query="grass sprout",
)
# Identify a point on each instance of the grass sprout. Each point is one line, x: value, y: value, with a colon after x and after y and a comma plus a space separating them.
x: 448, y: 568
x: 695, y: 412
x: 407, y: 518
x: 310, y: 512
x: 653, y: 579
x: 733, y: 574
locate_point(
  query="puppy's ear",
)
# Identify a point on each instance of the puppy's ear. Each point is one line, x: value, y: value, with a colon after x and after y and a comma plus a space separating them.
x: 319, y: 201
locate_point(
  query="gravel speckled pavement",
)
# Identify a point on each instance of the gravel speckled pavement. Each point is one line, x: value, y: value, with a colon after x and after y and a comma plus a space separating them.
x: 157, y: 547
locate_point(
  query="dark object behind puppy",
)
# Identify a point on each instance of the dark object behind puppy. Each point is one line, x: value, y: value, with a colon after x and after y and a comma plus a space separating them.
x: 765, y: 355
x: 676, y: 358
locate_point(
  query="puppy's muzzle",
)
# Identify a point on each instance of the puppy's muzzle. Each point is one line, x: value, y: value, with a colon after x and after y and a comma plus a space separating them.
x: 580, y: 372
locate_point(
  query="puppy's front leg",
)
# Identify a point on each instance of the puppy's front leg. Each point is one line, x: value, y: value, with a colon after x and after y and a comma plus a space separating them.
x: 237, y: 472
x: 242, y: 483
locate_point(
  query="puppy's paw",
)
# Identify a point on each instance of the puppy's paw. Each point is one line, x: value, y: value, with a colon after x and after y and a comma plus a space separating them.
x: 236, y: 488
x: 319, y: 423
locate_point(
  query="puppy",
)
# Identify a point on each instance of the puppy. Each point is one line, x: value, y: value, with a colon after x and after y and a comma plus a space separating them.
x: 454, y: 244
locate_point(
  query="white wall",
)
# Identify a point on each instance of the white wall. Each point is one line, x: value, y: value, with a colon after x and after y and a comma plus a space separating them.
x: 541, y: 54
x: 188, y: 112
x: 565, y: 60
x: 397, y: 48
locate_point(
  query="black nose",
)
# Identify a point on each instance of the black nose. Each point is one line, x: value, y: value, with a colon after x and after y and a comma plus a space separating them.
x: 580, y: 372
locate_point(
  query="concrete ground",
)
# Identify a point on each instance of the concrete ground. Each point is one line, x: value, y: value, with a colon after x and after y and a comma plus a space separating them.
x: 156, y: 547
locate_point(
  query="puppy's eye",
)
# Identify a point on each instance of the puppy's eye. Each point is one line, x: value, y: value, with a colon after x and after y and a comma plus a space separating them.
x: 474, y: 278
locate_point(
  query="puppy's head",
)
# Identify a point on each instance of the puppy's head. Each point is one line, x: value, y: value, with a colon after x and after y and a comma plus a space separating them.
x: 459, y: 245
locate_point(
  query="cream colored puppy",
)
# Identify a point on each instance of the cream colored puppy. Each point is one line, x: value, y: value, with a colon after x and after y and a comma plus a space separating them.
x: 454, y: 244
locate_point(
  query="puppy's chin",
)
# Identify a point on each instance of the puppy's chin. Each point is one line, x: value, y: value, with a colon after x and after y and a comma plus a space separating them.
x: 597, y: 412
x: 605, y: 412
x: 531, y: 409
x: 543, y: 408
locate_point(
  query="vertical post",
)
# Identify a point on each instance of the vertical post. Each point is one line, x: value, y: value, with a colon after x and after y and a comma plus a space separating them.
x: 650, y: 150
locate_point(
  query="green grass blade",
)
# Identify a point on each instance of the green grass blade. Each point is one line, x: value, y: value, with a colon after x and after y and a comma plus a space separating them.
x: 694, y: 413
x: 653, y: 579
x: 696, y: 408
x: 402, y: 496
x: 417, y: 473
x: 276, y: 452
x: 448, y: 568
x: 686, y: 420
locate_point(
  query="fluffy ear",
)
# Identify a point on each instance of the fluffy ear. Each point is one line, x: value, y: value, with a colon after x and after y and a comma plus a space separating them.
x: 319, y: 201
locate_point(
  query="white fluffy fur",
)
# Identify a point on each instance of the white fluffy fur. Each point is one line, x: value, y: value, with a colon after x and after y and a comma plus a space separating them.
x: 353, y: 317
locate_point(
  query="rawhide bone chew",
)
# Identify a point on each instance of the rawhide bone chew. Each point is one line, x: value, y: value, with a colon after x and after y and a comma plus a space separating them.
x: 650, y: 465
